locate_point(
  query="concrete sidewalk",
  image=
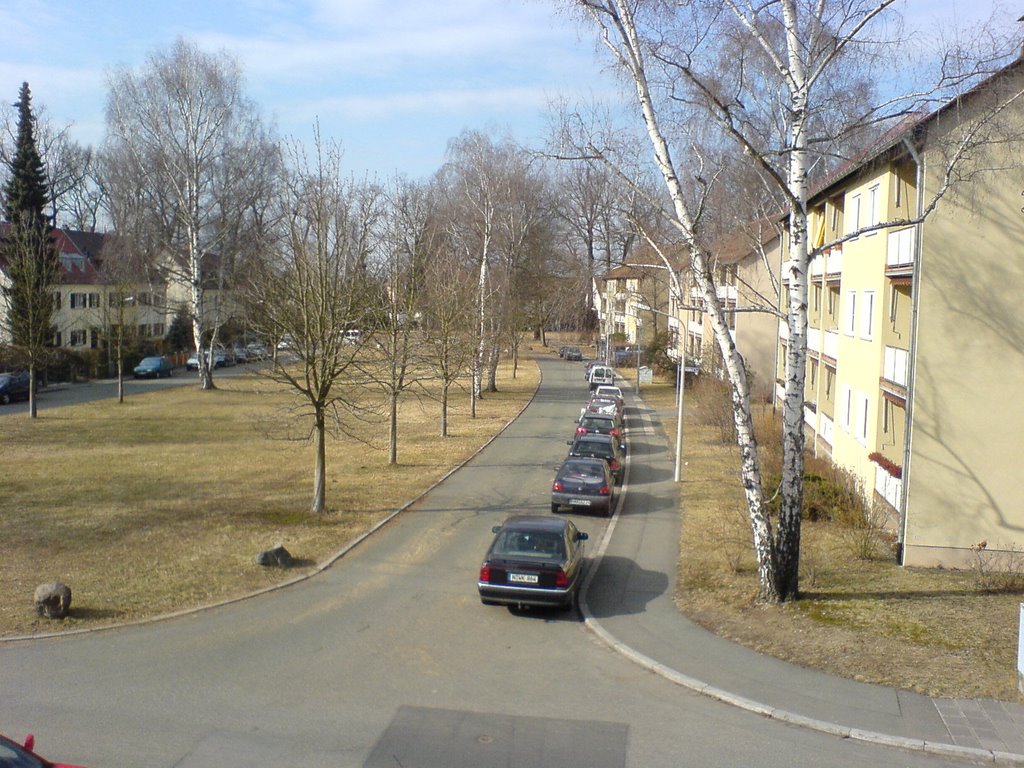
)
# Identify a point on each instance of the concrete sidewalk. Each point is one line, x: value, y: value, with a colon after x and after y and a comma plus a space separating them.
x: 628, y: 602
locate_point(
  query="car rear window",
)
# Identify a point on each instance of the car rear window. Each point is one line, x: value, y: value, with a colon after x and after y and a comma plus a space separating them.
x: 583, y: 470
x: 542, y: 544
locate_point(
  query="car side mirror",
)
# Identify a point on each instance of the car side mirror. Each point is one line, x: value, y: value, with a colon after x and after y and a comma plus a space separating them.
x: 581, y: 536
x: 30, y: 743
x: 495, y: 529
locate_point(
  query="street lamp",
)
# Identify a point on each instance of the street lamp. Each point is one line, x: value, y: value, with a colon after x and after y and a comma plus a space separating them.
x: 680, y: 385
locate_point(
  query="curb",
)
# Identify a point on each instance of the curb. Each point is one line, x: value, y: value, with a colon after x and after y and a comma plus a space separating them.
x: 318, y: 569
x: 702, y: 688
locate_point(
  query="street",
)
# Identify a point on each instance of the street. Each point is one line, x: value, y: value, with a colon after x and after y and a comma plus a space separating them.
x: 389, y: 659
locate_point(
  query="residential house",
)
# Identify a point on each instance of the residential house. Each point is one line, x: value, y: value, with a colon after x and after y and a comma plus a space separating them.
x: 916, y: 337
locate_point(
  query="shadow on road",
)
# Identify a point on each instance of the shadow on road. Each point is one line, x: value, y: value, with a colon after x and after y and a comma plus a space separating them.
x: 622, y: 588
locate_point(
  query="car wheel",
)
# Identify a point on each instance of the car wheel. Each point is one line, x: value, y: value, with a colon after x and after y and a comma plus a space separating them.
x: 554, y: 508
x: 5, y: 399
x: 485, y: 601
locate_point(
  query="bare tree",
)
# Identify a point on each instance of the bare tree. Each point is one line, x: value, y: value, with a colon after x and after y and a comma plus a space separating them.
x: 187, y: 142
x: 788, y: 98
x: 306, y: 294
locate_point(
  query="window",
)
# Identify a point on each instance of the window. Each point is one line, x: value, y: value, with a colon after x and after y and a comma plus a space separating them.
x: 76, y: 338
x: 863, y: 407
x: 867, y: 315
x: 77, y: 300
x: 830, y: 378
x: 833, y: 297
x: 898, y: 191
x: 94, y: 300
x: 855, y: 213
x: 873, y: 216
x: 816, y: 294
x: 836, y: 219
x: 894, y: 304
x: 850, y: 325
x: 846, y: 407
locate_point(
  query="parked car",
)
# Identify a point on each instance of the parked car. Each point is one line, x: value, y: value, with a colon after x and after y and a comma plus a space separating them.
x: 604, y: 405
x: 155, y: 367
x: 240, y: 353
x: 610, y: 390
x: 14, y: 386
x: 256, y: 351
x: 601, y: 424
x: 588, y: 368
x: 601, y: 374
x: 573, y: 353
x: 601, y: 447
x: 584, y: 482
x: 18, y: 755
x: 219, y: 360
x: 561, y: 350
x: 534, y: 560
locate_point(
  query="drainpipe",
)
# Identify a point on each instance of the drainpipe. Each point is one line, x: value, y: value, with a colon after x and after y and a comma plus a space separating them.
x: 915, y: 303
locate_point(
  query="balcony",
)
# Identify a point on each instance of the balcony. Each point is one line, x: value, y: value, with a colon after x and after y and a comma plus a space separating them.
x: 896, y: 366
x: 888, y: 487
x: 899, y: 257
x: 813, y: 340
x: 830, y: 349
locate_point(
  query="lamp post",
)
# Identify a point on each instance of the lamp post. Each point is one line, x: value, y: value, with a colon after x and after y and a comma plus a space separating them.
x: 680, y: 386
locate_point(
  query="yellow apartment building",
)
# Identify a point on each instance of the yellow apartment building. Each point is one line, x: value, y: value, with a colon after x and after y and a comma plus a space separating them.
x: 916, y: 337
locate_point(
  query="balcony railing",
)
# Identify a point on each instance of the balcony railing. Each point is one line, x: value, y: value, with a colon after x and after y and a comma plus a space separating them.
x: 831, y: 348
x: 896, y: 365
x: 888, y: 487
x: 901, y: 248
x: 814, y: 340
x: 825, y: 428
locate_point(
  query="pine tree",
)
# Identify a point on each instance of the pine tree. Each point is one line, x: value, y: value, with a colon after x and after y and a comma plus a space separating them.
x: 27, y: 247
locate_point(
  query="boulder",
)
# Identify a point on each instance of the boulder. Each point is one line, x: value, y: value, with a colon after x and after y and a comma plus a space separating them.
x: 53, y: 600
x: 277, y: 556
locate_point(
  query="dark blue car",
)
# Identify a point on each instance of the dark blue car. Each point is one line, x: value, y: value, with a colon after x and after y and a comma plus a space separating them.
x: 14, y: 385
x: 155, y: 367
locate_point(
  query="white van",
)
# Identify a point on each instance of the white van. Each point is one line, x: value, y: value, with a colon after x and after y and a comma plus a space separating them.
x: 601, y: 375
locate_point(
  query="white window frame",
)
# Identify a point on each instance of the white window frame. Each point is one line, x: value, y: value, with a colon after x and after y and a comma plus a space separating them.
x: 867, y: 315
x: 873, y: 214
x: 850, y: 313
x: 863, y: 409
x: 845, y: 406
x: 855, y: 202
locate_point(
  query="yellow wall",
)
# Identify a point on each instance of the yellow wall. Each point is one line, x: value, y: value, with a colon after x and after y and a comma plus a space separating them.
x: 964, y: 484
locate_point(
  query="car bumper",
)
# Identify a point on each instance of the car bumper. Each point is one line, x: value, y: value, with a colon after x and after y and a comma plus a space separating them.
x: 514, y: 595
x: 581, y: 501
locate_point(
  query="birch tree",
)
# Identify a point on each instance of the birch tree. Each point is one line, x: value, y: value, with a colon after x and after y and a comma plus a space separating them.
x: 182, y: 131
x: 780, y: 81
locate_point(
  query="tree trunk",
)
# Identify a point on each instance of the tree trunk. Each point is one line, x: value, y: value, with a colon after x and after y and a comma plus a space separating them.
x: 33, y: 380
x: 393, y: 428
x: 120, y: 377
x: 320, y: 462
x: 444, y: 408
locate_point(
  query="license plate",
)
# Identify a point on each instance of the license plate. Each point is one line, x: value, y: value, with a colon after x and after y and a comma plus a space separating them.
x: 522, y: 578
x: 580, y: 502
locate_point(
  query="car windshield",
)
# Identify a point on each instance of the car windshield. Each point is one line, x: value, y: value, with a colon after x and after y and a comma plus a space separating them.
x: 536, y: 544
x: 150, y: 361
x: 4, y: 378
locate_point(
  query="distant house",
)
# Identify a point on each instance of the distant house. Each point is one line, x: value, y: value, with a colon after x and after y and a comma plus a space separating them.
x: 90, y: 302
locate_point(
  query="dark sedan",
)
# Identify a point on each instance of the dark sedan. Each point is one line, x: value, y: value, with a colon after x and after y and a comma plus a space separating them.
x: 601, y: 447
x: 584, y: 483
x: 601, y: 424
x: 154, y: 367
x: 534, y: 560
x: 14, y: 386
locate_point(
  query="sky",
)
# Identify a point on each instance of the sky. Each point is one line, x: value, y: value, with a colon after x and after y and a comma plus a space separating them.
x: 392, y: 80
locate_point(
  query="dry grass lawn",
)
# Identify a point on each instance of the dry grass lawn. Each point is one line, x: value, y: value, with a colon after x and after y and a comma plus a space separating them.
x: 937, y: 632
x: 162, y: 502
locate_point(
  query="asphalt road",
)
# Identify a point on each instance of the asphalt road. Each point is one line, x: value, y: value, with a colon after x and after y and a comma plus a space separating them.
x: 87, y: 391
x: 389, y: 659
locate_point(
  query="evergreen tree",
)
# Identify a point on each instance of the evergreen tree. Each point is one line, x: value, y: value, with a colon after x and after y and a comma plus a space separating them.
x: 27, y: 247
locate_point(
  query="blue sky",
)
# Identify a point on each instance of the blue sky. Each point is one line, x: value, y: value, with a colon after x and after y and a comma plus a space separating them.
x: 393, y: 80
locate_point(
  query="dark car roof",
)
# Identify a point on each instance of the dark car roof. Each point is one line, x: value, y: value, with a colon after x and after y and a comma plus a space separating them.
x: 534, y: 523
x: 594, y: 437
